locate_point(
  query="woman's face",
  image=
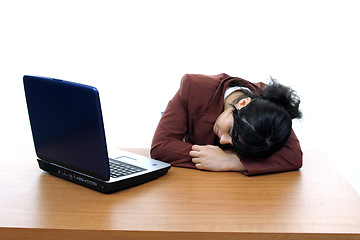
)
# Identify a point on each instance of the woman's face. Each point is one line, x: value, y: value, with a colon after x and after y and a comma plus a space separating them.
x: 223, y: 126
x: 225, y: 122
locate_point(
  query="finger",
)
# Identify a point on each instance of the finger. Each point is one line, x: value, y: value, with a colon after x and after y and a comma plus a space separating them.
x: 196, y: 147
x: 195, y: 160
x: 194, y: 154
x: 199, y: 166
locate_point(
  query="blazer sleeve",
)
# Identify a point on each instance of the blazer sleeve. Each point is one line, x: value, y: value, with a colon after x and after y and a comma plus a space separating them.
x: 168, y: 143
x: 288, y: 158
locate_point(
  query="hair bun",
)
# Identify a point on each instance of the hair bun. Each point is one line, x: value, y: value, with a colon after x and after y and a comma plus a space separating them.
x: 283, y: 96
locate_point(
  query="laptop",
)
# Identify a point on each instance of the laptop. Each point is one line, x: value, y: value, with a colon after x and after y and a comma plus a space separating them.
x: 69, y: 138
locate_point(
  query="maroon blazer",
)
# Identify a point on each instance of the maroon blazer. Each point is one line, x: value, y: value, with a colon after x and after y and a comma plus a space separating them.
x: 189, y: 119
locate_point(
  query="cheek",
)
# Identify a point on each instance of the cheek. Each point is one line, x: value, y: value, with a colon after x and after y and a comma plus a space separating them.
x: 225, y: 122
x: 221, y: 121
x: 218, y: 120
x: 231, y: 121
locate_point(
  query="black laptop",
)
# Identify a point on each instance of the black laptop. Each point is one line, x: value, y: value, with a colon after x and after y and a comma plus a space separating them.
x: 69, y: 138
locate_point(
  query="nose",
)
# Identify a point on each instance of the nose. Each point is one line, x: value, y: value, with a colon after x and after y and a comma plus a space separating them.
x: 225, y: 139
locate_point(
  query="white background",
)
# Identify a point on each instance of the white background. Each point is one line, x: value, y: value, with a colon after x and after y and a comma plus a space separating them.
x: 135, y: 52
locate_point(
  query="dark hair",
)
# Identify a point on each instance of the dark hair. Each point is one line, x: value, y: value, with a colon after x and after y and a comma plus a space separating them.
x: 264, y: 125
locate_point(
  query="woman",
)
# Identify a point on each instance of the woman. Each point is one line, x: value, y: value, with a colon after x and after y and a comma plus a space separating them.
x: 221, y: 123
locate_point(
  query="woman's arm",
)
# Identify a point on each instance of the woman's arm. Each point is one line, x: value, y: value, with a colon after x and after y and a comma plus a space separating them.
x: 168, y: 142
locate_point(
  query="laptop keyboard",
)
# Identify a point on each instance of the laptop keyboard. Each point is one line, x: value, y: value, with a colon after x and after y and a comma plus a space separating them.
x: 120, y: 169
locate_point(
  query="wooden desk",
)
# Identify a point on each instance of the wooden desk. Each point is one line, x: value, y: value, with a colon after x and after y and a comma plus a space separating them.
x: 314, y: 203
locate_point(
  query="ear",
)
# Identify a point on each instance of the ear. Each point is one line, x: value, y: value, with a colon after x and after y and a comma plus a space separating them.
x: 243, y: 102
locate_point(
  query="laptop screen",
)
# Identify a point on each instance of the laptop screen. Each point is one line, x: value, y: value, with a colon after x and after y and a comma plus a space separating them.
x: 67, y: 125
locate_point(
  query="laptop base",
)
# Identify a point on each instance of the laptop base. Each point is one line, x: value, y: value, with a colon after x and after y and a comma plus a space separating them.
x: 96, y: 184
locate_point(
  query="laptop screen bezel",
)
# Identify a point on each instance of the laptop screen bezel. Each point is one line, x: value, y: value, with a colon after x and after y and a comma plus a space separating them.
x: 36, y: 87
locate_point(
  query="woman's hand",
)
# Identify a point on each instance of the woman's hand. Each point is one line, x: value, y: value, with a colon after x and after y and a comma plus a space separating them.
x: 213, y: 158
